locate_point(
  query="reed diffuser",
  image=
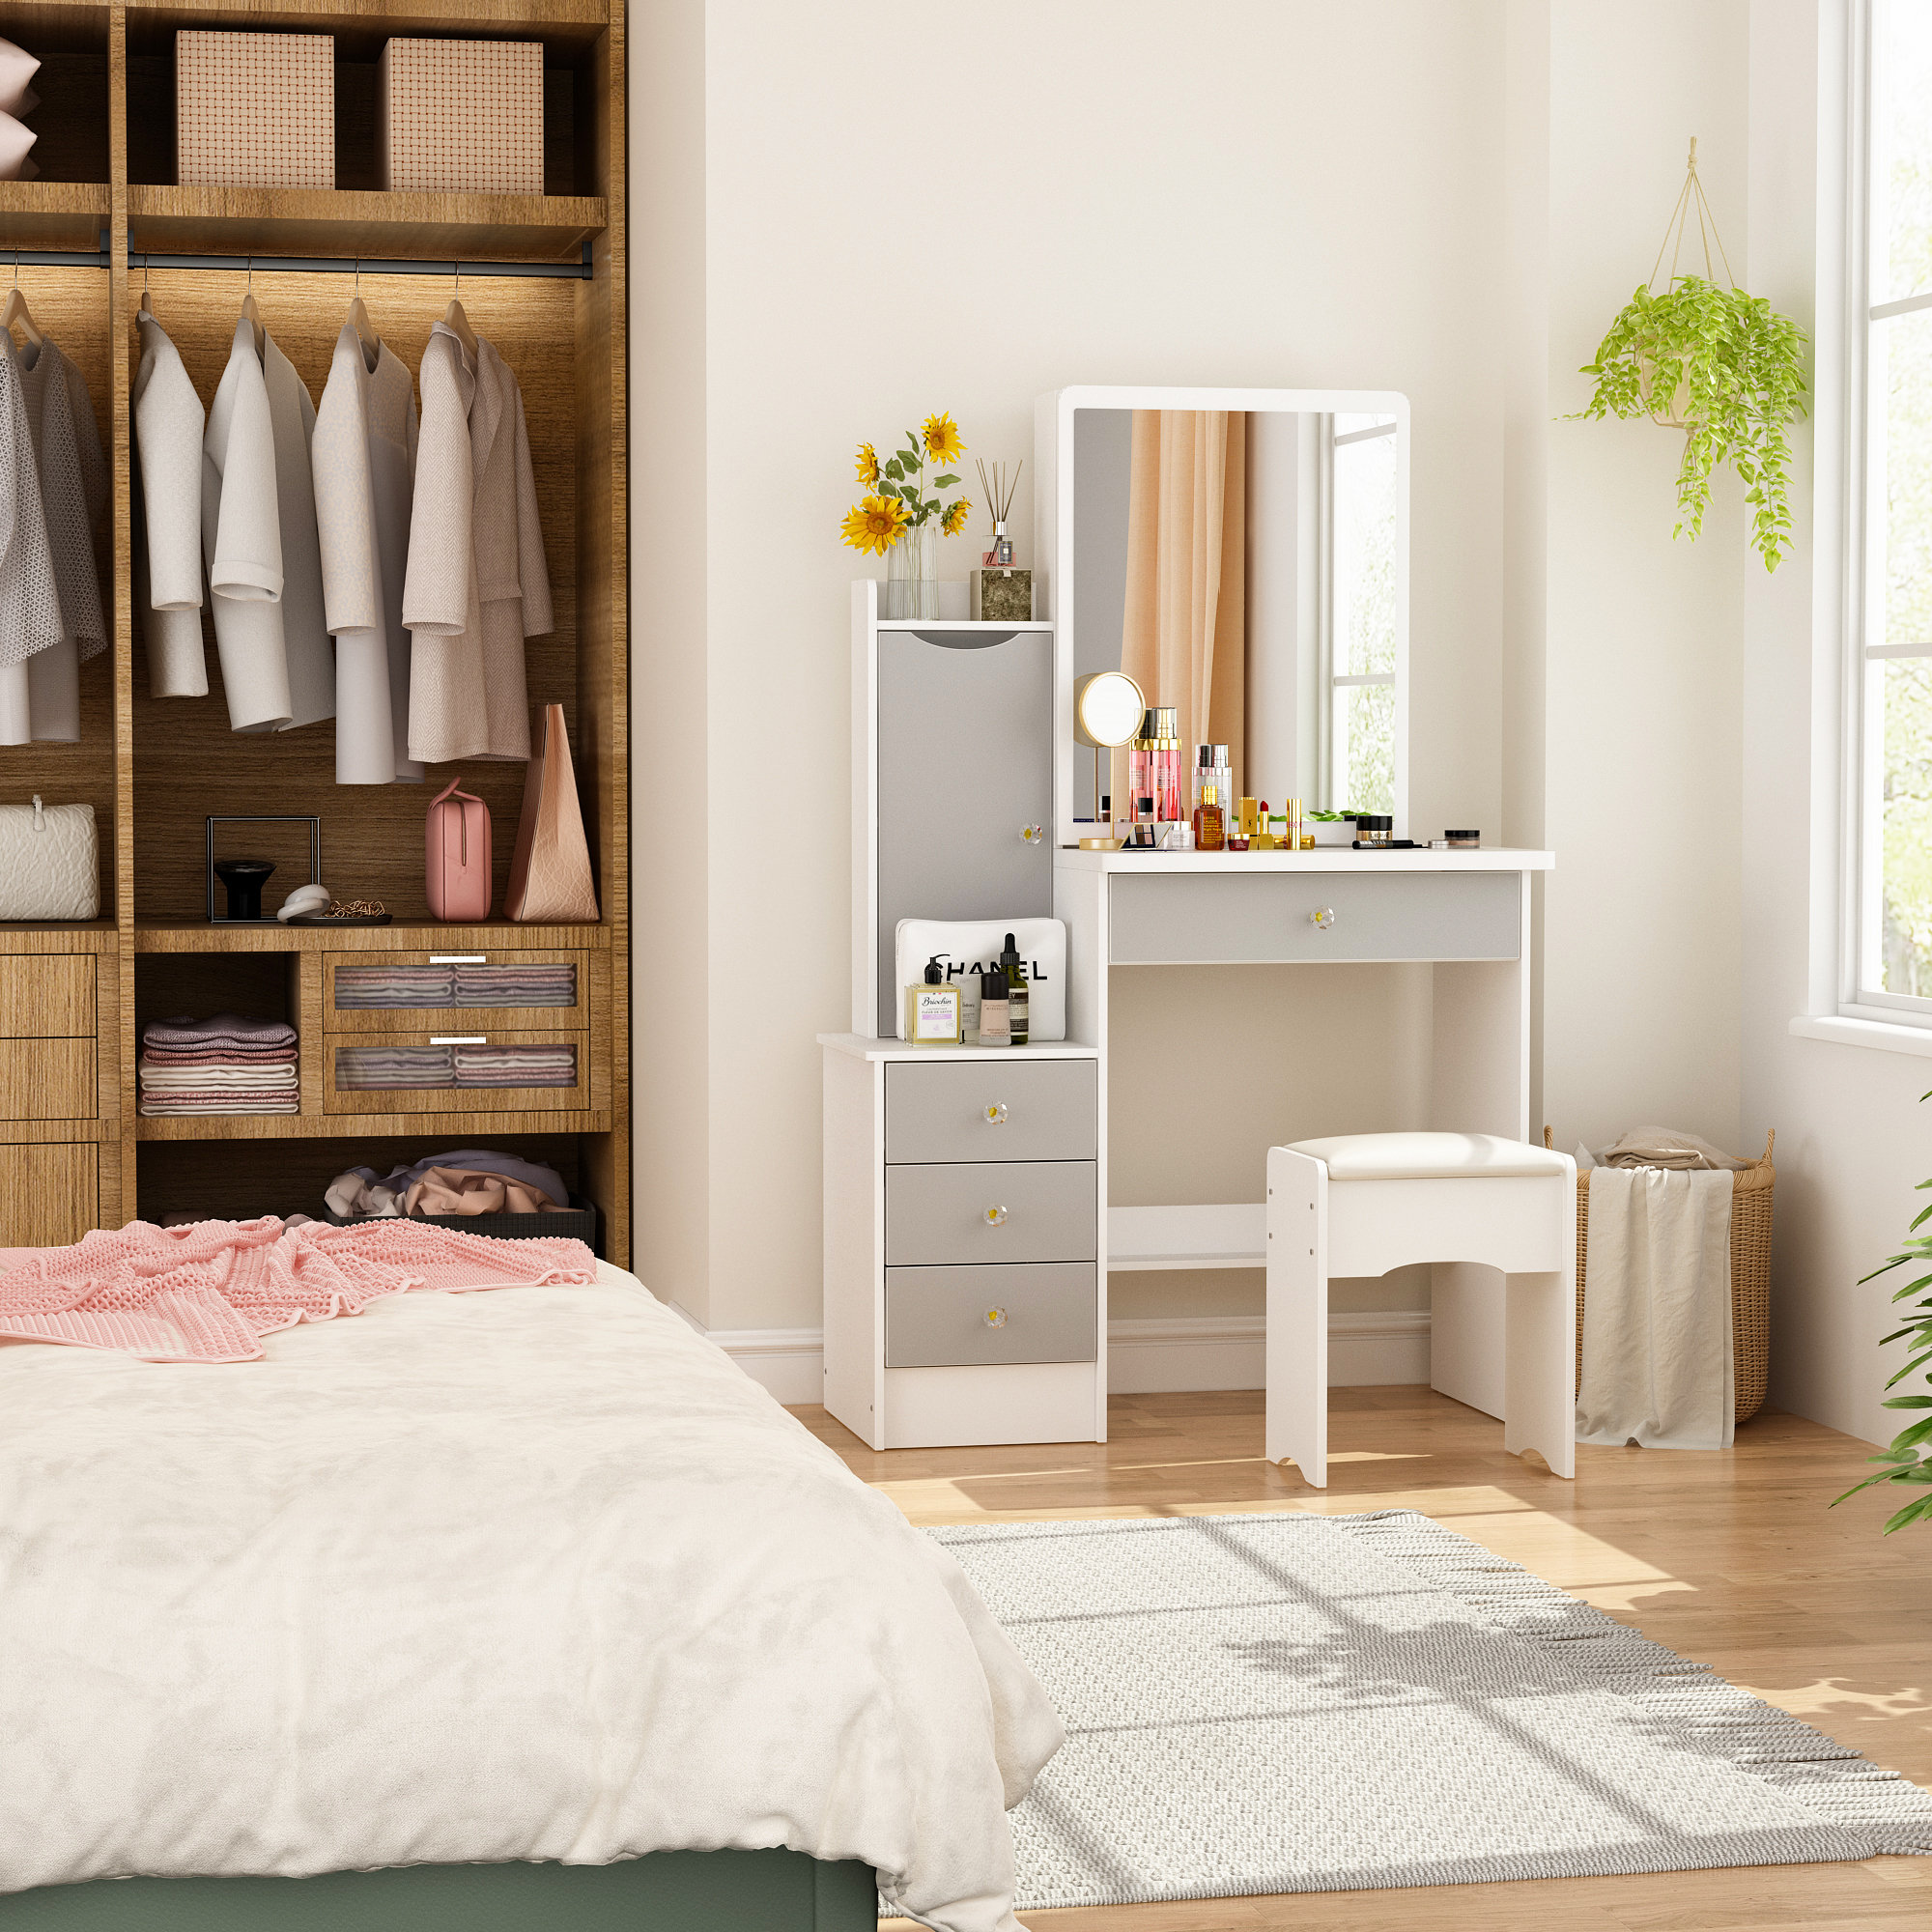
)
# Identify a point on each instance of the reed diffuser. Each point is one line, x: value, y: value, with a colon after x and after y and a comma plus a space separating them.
x: 1002, y: 593
x: 999, y: 490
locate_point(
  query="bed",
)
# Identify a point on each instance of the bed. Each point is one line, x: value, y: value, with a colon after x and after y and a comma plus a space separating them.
x: 506, y: 1609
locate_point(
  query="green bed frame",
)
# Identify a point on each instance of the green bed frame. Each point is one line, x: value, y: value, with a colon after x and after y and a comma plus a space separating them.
x: 662, y: 1891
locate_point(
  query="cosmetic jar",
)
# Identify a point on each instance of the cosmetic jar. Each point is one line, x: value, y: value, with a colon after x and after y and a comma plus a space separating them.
x: 1374, y: 827
x: 1463, y: 841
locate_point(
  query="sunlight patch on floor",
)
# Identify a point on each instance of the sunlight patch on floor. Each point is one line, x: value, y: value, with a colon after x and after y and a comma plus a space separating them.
x: 1829, y: 1694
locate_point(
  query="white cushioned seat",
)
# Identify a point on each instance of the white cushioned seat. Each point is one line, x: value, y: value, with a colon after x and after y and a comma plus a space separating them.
x: 1427, y: 1157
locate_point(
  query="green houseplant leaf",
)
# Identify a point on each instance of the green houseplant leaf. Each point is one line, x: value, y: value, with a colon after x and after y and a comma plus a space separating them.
x: 1728, y: 370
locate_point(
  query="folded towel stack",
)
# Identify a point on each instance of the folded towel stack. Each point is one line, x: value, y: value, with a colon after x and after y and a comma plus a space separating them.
x: 362, y: 1068
x: 516, y: 985
x: 516, y: 1066
x: 364, y: 986
x: 227, y: 1065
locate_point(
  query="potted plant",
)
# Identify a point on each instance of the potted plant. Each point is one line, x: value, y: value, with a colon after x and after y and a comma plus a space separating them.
x: 896, y: 519
x: 1720, y: 364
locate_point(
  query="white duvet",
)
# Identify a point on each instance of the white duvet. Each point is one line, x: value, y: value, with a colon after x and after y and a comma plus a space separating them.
x: 531, y: 1574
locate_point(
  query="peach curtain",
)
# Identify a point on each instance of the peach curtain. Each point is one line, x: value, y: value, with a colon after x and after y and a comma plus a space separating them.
x: 1184, y: 636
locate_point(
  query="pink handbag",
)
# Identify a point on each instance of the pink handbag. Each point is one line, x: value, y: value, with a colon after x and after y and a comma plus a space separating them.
x: 457, y: 855
x: 549, y: 869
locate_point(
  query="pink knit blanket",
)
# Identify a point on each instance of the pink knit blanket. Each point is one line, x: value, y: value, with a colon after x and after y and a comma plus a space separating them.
x: 209, y: 1293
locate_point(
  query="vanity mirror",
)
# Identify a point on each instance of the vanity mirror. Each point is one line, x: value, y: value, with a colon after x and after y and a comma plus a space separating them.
x: 1242, y: 554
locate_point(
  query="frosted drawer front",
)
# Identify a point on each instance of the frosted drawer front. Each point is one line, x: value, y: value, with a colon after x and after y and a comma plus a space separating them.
x: 255, y: 110
x: 936, y: 1317
x: 984, y: 1110
x: 1043, y: 1211
x: 426, y: 1074
x: 1223, y: 918
x: 461, y: 116
x: 404, y: 987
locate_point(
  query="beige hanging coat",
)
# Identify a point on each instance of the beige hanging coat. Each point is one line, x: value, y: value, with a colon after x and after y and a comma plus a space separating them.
x: 30, y: 612
x: 169, y: 424
x: 365, y: 450
x: 477, y: 584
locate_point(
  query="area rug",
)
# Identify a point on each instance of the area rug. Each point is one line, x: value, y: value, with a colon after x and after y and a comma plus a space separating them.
x: 1291, y: 1702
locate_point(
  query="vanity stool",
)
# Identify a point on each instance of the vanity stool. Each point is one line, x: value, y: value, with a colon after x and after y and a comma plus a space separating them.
x: 1364, y: 1203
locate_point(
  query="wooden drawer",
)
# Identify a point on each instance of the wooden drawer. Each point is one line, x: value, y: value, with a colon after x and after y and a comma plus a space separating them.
x: 983, y: 1110
x: 49, y: 1194
x: 439, y: 1054
x: 1166, y: 918
x: 938, y: 1317
x: 468, y: 977
x: 47, y: 1080
x: 47, y: 996
x: 1047, y: 1209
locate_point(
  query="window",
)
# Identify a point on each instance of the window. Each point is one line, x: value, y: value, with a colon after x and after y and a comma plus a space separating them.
x: 1359, y: 635
x: 1892, y: 599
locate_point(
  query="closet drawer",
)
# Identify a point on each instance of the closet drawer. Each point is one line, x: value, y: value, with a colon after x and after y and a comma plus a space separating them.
x: 1224, y: 919
x: 49, y: 1194
x: 47, y: 1080
x: 941, y: 1318
x: 47, y: 995
x: 1043, y: 1210
x: 455, y: 1072
x: 980, y: 1110
x: 378, y: 991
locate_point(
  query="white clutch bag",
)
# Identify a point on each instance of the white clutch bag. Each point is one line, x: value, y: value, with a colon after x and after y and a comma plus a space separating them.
x: 50, y: 862
x: 965, y: 945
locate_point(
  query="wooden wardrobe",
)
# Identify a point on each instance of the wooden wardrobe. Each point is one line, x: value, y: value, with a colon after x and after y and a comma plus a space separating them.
x: 75, y: 1153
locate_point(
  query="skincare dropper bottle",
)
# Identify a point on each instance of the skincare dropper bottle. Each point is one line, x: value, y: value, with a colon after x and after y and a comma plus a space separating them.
x: 1016, y: 992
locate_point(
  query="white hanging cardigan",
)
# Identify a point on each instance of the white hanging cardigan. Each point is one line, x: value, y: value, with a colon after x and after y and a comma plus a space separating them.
x: 30, y: 613
x: 71, y: 472
x: 478, y: 584
x: 169, y: 424
x: 364, y: 465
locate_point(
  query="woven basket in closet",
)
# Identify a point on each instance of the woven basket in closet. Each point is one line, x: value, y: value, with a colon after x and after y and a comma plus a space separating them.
x: 1751, y: 1189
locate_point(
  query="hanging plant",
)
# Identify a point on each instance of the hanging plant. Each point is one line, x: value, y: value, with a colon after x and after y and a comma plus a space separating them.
x: 1722, y: 366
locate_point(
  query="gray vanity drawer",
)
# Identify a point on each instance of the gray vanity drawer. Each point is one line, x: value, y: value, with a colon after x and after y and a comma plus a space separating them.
x: 936, y: 1317
x: 1223, y: 918
x: 945, y: 1112
x: 937, y: 1215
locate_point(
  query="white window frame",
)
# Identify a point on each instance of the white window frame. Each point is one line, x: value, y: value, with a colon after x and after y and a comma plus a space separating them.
x: 1862, y: 857
x: 1335, y: 683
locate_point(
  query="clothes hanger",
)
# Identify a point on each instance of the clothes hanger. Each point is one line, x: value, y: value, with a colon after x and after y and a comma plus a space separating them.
x: 359, y: 316
x: 454, y: 317
x: 16, y: 310
x: 250, y: 312
x: 147, y: 307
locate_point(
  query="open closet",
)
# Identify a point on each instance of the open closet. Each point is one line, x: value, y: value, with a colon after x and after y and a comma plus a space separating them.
x: 102, y: 230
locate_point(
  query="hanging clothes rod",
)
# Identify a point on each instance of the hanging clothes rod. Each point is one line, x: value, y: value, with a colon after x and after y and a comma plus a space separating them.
x: 303, y: 265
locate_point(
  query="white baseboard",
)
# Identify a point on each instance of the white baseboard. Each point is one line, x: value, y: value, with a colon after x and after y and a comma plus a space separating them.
x: 1168, y: 1355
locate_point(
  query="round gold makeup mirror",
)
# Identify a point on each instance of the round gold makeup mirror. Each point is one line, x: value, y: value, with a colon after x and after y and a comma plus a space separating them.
x: 1107, y: 711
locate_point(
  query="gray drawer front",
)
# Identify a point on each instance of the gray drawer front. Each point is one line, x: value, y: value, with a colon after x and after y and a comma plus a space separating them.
x: 936, y: 1216
x: 936, y: 1317
x: 940, y: 1113
x: 1181, y: 919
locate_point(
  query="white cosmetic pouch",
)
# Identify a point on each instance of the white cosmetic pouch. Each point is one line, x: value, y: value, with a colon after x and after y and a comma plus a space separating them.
x: 965, y: 946
x: 49, y: 864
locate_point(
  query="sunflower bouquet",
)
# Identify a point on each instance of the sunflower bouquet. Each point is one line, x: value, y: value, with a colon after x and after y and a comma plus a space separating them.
x: 896, y: 499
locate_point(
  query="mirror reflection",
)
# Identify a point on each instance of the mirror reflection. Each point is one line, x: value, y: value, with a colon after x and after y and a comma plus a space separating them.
x: 1243, y: 569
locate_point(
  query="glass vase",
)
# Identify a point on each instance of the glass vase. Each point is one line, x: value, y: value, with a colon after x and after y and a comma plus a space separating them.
x: 911, y: 573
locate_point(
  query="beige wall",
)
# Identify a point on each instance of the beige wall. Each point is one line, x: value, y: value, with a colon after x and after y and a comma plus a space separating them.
x: 961, y: 208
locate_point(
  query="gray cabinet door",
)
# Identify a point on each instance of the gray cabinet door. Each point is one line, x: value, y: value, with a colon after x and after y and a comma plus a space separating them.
x: 993, y: 1110
x: 1039, y: 1210
x: 965, y: 765
x: 941, y: 1318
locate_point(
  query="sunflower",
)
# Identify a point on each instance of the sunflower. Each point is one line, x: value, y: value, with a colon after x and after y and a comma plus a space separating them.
x: 942, y: 439
x: 954, y: 519
x: 874, y: 525
x: 866, y: 463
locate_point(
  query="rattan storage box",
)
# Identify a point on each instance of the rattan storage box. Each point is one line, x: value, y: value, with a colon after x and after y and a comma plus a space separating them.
x: 255, y: 110
x: 461, y: 117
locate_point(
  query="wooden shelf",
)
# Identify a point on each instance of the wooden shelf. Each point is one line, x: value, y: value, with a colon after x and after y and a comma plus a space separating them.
x: 502, y: 936
x: 53, y: 214
x: 361, y: 26
x: 451, y: 1127
x: 318, y: 222
x: 94, y: 935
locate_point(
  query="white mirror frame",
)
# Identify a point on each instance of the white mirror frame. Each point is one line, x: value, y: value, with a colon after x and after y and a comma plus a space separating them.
x: 1053, y: 538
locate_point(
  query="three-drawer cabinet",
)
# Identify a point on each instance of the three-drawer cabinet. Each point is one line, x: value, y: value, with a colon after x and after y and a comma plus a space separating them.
x: 962, y: 1243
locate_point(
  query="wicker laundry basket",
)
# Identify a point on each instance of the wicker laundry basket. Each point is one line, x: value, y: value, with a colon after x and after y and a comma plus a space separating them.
x: 1751, y: 1189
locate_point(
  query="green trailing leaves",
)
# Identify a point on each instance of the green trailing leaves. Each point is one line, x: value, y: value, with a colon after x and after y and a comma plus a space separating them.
x: 1729, y: 371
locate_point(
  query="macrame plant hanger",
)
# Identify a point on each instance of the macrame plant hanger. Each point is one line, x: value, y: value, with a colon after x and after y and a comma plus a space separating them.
x: 1690, y: 200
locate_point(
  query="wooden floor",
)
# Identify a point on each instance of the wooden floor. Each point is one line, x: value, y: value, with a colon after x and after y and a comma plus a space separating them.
x: 1732, y: 1559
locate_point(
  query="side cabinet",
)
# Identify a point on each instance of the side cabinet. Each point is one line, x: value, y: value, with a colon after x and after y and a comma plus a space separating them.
x: 963, y: 1292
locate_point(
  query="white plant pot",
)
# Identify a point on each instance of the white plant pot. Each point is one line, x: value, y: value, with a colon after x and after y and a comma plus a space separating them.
x: 1334, y: 830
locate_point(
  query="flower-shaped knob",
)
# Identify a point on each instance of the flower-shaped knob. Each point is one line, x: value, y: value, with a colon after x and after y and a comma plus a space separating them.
x: 996, y: 1318
x: 1032, y: 835
x: 995, y: 1217
x: 1323, y: 917
x: 996, y: 1114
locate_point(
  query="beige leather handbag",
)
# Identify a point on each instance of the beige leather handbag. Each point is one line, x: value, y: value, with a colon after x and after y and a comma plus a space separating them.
x: 550, y: 875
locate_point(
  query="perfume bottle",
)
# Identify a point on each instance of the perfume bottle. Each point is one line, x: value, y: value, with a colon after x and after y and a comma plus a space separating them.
x: 1210, y: 820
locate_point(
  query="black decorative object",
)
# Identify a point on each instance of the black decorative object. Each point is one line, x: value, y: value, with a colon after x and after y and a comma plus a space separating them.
x: 244, y: 877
